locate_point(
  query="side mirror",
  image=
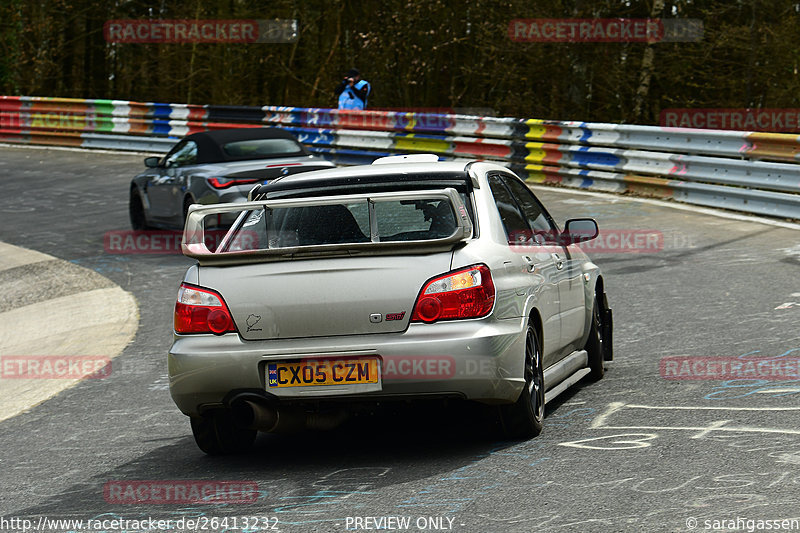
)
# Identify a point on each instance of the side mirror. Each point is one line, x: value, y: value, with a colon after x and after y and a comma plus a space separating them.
x: 152, y: 162
x: 579, y: 230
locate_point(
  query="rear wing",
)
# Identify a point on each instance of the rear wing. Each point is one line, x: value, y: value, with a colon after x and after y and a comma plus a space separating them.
x: 254, y: 238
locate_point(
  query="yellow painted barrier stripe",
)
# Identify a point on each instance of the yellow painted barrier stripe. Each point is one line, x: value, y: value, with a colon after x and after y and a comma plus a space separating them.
x: 535, y: 131
x: 535, y: 151
x: 421, y: 144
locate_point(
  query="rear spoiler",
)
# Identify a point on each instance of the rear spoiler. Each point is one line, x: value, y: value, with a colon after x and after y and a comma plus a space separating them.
x: 193, y: 243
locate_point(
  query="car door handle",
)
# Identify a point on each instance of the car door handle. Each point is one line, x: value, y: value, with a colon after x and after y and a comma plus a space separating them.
x: 558, y: 260
x: 531, y: 265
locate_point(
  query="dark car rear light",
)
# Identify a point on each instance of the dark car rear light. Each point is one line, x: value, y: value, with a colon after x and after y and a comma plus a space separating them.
x: 201, y: 311
x: 463, y: 293
x: 224, y: 183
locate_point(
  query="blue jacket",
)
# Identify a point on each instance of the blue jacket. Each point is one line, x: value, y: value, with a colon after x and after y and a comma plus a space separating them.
x: 350, y: 99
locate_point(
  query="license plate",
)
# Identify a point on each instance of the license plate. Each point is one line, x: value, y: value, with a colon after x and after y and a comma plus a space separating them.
x: 316, y: 372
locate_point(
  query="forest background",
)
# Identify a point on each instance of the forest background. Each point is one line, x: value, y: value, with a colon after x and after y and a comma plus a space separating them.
x: 418, y: 55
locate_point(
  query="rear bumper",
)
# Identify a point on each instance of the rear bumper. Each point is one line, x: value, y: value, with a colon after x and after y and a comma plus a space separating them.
x: 473, y: 359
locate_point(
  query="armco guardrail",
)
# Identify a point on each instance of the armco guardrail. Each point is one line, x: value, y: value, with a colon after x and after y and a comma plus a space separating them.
x: 746, y: 171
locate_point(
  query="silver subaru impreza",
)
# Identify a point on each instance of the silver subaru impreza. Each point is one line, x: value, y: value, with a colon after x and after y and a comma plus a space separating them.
x: 405, y: 279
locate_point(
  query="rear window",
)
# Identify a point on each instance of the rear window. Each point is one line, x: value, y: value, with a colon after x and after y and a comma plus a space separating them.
x: 297, y: 187
x: 259, y: 148
x: 344, y: 223
x: 414, y: 220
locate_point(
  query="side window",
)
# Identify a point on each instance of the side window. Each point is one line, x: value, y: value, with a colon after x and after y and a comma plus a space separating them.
x: 538, y: 218
x: 516, y: 227
x: 183, y: 154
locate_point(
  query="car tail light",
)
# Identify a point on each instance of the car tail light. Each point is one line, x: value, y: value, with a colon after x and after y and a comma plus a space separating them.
x: 464, y: 293
x: 201, y: 311
x: 224, y: 183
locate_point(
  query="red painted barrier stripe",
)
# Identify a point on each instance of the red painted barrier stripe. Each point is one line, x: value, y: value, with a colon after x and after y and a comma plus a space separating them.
x: 11, y: 104
x: 481, y: 148
x: 197, y: 112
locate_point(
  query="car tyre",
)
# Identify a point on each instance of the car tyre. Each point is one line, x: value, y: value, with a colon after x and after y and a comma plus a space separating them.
x: 136, y: 212
x: 524, y: 419
x: 595, y: 344
x: 187, y: 203
x: 217, y: 434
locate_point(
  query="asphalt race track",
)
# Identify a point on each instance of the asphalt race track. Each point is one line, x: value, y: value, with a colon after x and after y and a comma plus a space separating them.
x: 645, y: 449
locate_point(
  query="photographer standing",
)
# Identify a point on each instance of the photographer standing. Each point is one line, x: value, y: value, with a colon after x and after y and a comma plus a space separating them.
x: 353, y: 91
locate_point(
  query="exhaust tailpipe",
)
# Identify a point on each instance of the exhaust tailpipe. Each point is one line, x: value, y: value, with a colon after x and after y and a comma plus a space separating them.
x: 262, y: 417
x: 251, y: 415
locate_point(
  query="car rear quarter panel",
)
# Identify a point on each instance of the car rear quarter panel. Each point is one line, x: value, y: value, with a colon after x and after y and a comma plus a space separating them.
x: 518, y: 291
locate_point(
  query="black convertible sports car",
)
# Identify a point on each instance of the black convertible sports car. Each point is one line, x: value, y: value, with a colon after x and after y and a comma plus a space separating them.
x: 213, y: 167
